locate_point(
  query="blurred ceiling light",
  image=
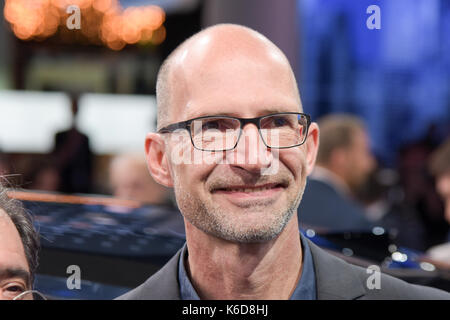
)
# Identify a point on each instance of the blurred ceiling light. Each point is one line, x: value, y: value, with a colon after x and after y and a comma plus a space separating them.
x: 102, y: 21
x: 159, y: 35
x: 102, y: 5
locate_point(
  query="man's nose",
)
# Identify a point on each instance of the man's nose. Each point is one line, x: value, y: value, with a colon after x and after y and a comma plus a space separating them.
x: 251, y: 153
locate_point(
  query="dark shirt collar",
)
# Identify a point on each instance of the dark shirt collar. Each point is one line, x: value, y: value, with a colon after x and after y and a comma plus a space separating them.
x: 305, y: 290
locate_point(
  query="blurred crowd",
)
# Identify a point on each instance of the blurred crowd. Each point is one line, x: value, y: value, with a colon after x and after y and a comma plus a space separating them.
x: 350, y: 190
x: 70, y: 168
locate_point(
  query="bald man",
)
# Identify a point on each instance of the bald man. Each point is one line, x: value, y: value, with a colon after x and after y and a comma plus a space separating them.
x: 235, y: 145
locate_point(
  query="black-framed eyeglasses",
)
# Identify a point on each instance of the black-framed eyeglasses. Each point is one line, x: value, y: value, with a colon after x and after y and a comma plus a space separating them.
x: 222, y: 133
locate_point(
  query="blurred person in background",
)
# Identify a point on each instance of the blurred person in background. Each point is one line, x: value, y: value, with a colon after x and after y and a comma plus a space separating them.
x: 73, y: 157
x: 43, y: 176
x: 403, y: 199
x: 344, y: 163
x: 419, y: 196
x: 19, y: 248
x: 129, y: 179
x: 440, y: 168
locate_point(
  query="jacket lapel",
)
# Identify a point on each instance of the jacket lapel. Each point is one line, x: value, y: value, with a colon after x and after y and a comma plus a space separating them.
x: 163, y: 285
x: 335, y: 279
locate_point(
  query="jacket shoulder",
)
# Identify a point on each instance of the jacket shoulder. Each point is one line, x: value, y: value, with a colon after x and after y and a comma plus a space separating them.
x: 338, y: 279
x: 391, y: 288
x: 163, y: 285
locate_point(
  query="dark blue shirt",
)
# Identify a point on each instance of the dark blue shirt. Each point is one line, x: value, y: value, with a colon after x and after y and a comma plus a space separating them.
x: 305, y: 290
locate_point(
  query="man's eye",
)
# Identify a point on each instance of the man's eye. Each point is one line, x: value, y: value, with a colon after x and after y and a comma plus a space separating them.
x: 221, y: 125
x: 12, y: 291
x: 17, y: 289
x: 210, y: 125
x: 279, y: 121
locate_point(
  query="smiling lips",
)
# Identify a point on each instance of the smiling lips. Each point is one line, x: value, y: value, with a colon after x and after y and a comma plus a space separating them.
x: 245, y: 190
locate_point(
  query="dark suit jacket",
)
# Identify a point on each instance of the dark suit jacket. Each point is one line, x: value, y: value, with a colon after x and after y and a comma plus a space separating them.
x: 323, y: 206
x: 335, y: 279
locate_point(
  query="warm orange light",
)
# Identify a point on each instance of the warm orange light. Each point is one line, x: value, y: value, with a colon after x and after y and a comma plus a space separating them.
x: 101, y: 21
x: 12, y: 11
x: 61, y: 4
x: 22, y: 33
x: 155, y: 16
x: 102, y: 5
x: 159, y: 36
x: 146, y: 35
x: 61, y: 198
x: 116, y: 45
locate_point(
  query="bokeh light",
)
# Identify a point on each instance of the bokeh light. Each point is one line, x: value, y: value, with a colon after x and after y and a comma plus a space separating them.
x: 102, y: 22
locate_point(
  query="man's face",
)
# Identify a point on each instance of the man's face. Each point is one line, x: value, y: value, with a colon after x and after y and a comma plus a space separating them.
x: 443, y: 188
x: 360, y: 162
x: 14, y: 271
x: 234, y: 200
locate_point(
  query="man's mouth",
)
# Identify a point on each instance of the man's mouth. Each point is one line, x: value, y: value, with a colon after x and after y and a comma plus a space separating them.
x: 250, y: 189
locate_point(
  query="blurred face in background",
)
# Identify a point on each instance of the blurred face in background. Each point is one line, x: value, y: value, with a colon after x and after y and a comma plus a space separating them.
x: 359, y: 162
x: 129, y: 179
x: 14, y: 270
x: 443, y: 188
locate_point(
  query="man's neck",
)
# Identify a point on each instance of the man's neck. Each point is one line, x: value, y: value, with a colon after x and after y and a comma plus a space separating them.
x: 220, y: 269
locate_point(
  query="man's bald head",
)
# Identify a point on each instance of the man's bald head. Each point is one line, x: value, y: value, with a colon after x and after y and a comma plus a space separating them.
x: 214, y: 46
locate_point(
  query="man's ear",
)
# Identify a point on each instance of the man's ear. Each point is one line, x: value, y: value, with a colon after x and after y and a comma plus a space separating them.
x: 157, y: 159
x: 312, y: 146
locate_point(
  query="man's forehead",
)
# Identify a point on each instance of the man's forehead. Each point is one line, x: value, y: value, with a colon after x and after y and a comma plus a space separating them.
x: 11, y: 247
x: 220, y: 44
x: 9, y: 271
x: 8, y: 231
x: 220, y: 61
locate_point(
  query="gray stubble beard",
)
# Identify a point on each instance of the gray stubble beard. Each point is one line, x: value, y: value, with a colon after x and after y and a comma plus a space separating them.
x: 208, y: 219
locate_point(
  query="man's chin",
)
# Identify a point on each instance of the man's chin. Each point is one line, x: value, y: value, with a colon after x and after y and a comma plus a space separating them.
x: 247, y: 236
x: 250, y: 225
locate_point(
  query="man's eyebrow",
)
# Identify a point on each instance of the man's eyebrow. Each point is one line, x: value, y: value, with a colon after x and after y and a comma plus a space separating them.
x: 15, y: 273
